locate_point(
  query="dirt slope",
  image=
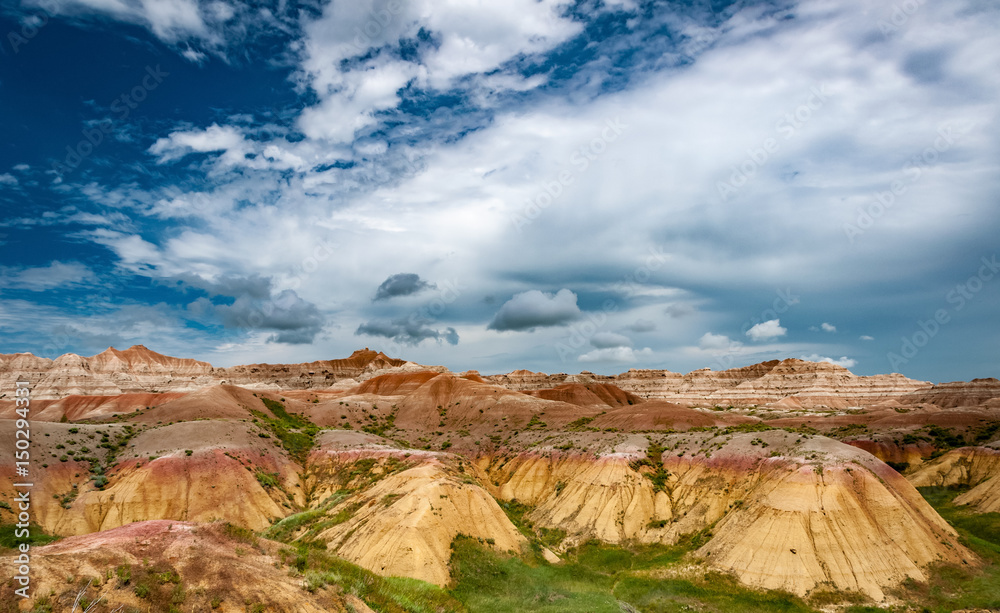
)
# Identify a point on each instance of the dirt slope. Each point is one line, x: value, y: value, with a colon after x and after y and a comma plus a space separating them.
x: 975, y: 467
x: 205, y: 567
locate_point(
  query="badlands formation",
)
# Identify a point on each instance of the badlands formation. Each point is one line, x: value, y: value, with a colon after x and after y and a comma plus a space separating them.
x: 308, y: 487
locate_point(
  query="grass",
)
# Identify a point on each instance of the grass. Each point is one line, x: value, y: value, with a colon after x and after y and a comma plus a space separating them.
x: 654, y: 461
x: 952, y: 587
x: 36, y: 536
x: 487, y: 581
x: 384, y: 594
x: 716, y: 592
x: 597, y: 578
x: 295, y: 432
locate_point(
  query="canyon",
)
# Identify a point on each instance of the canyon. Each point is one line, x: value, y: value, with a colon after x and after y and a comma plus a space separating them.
x: 790, y: 476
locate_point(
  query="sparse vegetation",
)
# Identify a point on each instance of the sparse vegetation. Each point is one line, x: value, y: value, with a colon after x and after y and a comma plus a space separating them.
x: 295, y: 432
x: 652, y: 466
x: 951, y: 587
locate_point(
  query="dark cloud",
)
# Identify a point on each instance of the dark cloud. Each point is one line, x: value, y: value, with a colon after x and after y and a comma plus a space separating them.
x: 253, y: 286
x: 927, y: 66
x: 402, y: 284
x: 294, y: 320
x: 535, y: 309
x: 407, y: 330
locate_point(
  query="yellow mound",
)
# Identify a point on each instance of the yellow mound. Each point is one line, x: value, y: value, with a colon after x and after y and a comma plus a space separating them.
x: 405, y: 524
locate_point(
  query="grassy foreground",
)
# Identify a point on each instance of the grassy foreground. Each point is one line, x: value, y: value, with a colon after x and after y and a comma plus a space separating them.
x: 603, y: 578
x: 598, y: 578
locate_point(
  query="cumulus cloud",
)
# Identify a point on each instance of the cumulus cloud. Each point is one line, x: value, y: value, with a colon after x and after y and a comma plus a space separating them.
x: 292, y: 319
x: 407, y: 330
x: 714, y: 342
x: 766, y: 330
x: 828, y: 327
x: 844, y: 361
x: 8, y: 179
x: 402, y: 284
x: 468, y: 40
x: 535, y: 309
x: 44, y: 278
x: 622, y: 355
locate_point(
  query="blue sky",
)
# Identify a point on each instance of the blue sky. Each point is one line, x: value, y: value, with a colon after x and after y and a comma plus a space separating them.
x: 550, y: 185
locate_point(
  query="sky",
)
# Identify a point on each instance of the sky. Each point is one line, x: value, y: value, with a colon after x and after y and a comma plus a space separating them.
x: 544, y: 184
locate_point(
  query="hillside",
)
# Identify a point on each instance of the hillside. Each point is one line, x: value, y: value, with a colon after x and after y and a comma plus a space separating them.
x: 405, y: 471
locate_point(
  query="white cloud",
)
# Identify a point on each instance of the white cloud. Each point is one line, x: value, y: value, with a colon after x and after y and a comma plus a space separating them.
x: 766, y: 330
x: 451, y: 212
x: 8, y: 179
x: 44, y: 278
x: 716, y: 342
x: 213, y: 138
x: 471, y: 39
x: 211, y: 25
x: 865, y: 337
x: 624, y: 355
x: 828, y: 327
x: 844, y: 361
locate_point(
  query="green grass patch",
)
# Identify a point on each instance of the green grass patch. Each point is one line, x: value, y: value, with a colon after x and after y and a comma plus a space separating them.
x: 538, y: 536
x: 384, y: 594
x: 296, y: 433
x: 35, y: 537
x: 954, y: 587
x: 487, y: 581
x: 716, y: 592
x: 654, y: 462
x: 597, y: 577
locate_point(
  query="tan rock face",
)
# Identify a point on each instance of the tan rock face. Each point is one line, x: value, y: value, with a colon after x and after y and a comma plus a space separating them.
x: 958, y: 394
x: 138, y: 369
x: 217, y: 481
x: 806, y: 384
x: 817, y: 512
x: 405, y: 524
x: 974, y: 467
